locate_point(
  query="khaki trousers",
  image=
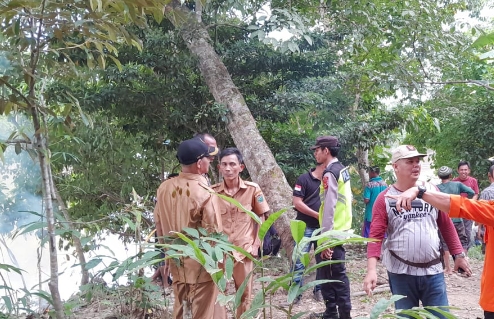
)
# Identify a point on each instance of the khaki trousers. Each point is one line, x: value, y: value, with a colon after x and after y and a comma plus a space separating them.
x: 241, y: 269
x: 200, y: 299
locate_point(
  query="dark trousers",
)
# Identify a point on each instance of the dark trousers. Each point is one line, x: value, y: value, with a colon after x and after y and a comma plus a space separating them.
x: 488, y: 315
x: 336, y: 293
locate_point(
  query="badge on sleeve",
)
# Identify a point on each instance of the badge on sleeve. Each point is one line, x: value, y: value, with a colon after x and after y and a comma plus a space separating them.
x: 325, y: 182
x: 260, y: 198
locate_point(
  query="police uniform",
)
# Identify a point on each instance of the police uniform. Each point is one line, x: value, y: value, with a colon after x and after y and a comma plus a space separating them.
x: 336, y: 214
x: 242, y: 231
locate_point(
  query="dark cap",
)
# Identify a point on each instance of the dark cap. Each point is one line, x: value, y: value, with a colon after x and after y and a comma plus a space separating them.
x: 325, y: 141
x: 190, y: 151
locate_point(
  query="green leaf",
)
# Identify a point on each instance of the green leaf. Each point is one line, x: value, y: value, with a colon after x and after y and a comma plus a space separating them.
x: 229, y: 267
x: 297, y: 228
x: 382, y: 305
x: 197, y: 252
x: 7, y: 303
x: 483, y: 40
x: 10, y: 268
x: 117, y: 62
x: 93, y: 263
x: 292, y: 46
x: 129, y: 222
x: 32, y: 226
x: 238, y: 205
x: 192, y: 232
x: 293, y: 292
x: 269, y: 222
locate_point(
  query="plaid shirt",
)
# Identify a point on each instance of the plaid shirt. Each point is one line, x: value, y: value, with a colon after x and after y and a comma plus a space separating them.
x: 488, y: 193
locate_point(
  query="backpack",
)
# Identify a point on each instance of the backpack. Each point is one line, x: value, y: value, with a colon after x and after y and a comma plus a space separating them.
x: 271, y: 243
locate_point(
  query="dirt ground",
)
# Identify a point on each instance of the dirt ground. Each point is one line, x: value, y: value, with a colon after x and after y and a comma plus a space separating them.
x: 463, y: 293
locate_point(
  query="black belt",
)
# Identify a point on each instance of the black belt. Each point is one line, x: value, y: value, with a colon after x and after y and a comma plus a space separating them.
x: 418, y: 265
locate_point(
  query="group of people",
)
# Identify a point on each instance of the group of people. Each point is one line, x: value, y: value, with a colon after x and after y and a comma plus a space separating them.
x: 188, y: 200
x: 408, y: 220
x: 410, y: 213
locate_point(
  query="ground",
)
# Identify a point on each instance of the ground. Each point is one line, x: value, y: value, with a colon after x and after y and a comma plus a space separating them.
x: 463, y: 293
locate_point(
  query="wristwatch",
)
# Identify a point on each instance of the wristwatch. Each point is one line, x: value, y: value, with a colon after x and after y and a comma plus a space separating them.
x: 422, y: 190
x: 460, y: 255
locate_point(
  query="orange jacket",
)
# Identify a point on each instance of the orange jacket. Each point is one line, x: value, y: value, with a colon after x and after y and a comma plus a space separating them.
x: 481, y: 211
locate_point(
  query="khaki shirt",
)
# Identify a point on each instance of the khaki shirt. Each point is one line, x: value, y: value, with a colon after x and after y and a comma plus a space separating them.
x: 239, y: 226
x: 184, y: 201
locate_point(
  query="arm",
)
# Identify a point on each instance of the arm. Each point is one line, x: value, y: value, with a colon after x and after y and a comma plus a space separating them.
x: 449, y: 234
x: 299, y: 205
x: 330, y: 185
x: 259, y: 204
x: 465, y: 189
x: 367, y: 195
x: 378, y: 226
x: 437, y: 199
x: 455, y: 205
x: 480, y: 211
x: 377, y: 230
x: 475, y: 189
x: 157, y: 219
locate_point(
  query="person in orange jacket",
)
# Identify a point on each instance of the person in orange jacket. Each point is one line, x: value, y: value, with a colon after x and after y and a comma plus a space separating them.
x: 481, y: 211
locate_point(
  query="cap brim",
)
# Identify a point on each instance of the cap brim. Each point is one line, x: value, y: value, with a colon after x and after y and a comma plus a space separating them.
x: 314, y: 147
x: 415, y: 155
x: 214, y: 152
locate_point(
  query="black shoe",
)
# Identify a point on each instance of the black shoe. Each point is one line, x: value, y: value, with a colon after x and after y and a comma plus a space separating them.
x: 330, y: 313
x: 323, y: 315
x: 345, y: 315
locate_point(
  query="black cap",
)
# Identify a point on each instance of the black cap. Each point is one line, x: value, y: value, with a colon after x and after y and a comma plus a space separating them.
x: 326, y: 141
x: 190, y: 151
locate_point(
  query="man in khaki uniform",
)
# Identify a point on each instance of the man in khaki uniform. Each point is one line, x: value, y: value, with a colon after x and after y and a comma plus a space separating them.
x: 239, y: 226
x: 185, y: 201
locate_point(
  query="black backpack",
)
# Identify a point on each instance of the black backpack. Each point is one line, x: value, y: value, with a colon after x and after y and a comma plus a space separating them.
x: 271, y: 244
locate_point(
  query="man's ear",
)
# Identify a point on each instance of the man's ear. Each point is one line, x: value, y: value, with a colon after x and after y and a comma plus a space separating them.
x: 242, y: 166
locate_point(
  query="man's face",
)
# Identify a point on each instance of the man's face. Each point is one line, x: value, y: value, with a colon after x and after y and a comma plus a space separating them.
x: 321, y: 155
x: 463, y: 172
x: 211, y: 142
x: 408, y: 168
x: 203, y: 165
x: 230, y: 167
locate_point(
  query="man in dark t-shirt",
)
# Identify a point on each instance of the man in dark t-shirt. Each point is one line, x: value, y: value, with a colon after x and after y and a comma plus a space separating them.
x: 307, y: 202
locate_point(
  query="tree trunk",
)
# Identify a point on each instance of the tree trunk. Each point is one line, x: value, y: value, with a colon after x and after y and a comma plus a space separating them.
x: 259, y: 159
x: 363, y: 164
x: 43, y: 152
x: 362, y: 154
x: 77, y: 241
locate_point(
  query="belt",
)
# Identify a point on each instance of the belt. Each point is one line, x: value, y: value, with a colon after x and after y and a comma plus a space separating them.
x: 418, y: 265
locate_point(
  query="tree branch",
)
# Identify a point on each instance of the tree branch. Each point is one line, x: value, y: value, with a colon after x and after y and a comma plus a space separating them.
x: 16, y: 91
x: 475, y: 82
x: 16, y: 141
x: 225, y: 25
